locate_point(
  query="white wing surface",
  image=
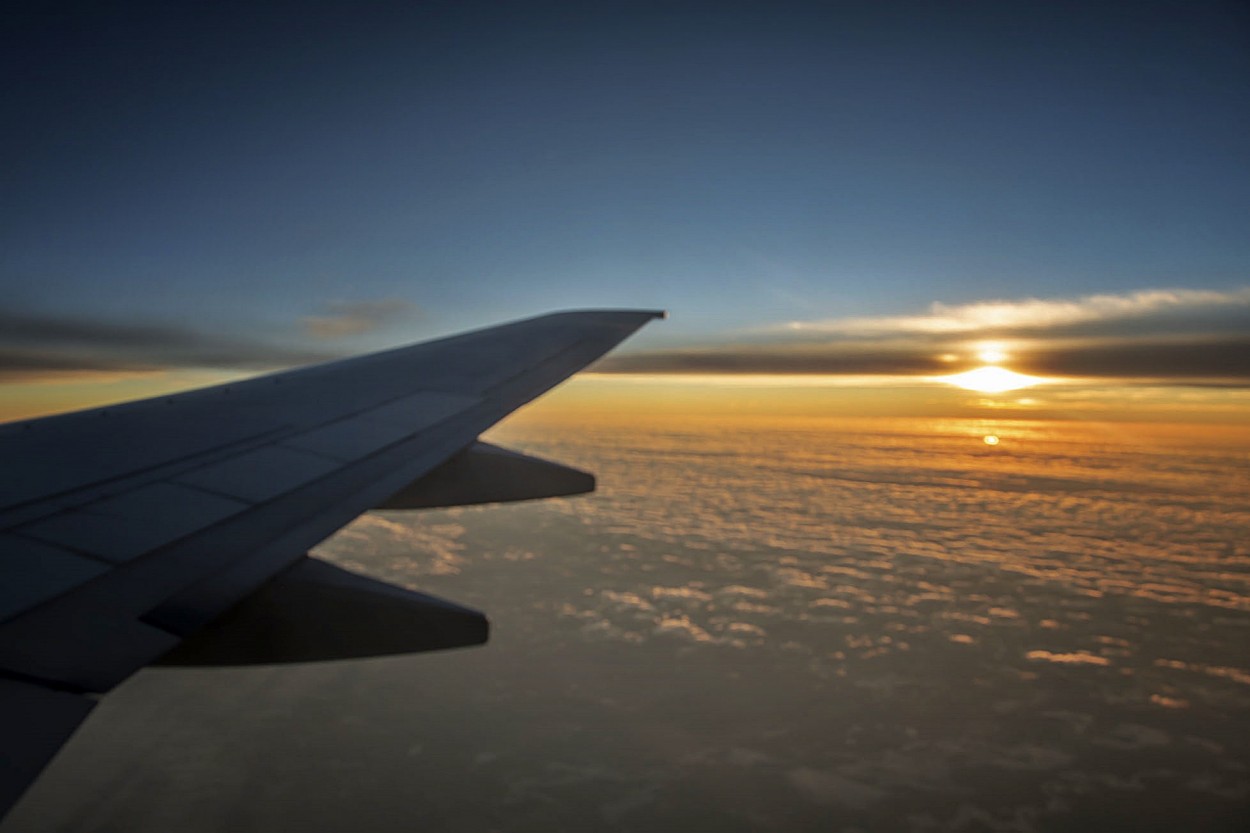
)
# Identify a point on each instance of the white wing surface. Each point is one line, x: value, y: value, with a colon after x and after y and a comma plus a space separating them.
x: 128, y: 529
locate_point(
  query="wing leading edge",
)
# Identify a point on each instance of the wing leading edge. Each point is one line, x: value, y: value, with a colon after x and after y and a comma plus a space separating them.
x: 125, y: 530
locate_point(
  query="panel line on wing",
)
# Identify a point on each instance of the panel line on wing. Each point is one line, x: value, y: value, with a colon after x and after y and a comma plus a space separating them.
x: 260, y: 474
x: 36, y: 571
x: 370, y: 431
x: 122, y: 527
x: 168, y: 470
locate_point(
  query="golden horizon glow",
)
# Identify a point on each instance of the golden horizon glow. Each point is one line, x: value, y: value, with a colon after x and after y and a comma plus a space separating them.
x: 599, y: 397
x: 65, y: 393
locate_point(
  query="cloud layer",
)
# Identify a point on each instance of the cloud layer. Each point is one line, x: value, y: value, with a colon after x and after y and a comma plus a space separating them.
x: 1179, y: 335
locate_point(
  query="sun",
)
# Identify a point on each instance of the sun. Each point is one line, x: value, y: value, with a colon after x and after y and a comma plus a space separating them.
x: 991, y: 379
x: 991, y: 376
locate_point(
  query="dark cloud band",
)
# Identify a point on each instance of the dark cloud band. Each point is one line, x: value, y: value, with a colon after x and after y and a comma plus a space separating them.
x: 1222, y: 359
x: 33, y: 345
x: 1225, y: 360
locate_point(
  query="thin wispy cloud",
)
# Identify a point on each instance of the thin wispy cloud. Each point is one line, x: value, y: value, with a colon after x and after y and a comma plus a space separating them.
x: 1192, y: 336
x: 342, y: 319
x: 1029, y: 315
x: 26, y: 366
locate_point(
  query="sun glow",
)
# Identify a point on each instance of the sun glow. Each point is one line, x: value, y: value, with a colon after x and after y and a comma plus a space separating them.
x: 991, y: 352
x: 992, y: 379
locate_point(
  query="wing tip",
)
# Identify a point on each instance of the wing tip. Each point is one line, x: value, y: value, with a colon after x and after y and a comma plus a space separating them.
x: 638, y: 316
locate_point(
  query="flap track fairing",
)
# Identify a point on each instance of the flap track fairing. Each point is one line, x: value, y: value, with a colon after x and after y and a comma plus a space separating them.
x: 485, y: 473
x: 316, y: 611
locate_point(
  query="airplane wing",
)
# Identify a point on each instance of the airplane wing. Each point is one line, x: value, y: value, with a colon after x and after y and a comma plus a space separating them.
x: 176, y: 529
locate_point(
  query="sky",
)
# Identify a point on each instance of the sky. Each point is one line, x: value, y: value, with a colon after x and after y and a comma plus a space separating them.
x: 842, y: 190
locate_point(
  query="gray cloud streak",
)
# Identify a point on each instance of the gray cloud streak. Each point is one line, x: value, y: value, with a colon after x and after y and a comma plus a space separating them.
x: 1226, y: 359
x: 36, y: 345
x: 18, y: 365
x: 766, y: 359
x: 1220, y: 360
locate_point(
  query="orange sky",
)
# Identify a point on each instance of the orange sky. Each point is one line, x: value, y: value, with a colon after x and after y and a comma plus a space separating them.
x: 610, y: 397
x: 626, y: 397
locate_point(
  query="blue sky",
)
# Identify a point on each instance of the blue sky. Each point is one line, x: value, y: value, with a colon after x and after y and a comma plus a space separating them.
x: 226, y: 172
